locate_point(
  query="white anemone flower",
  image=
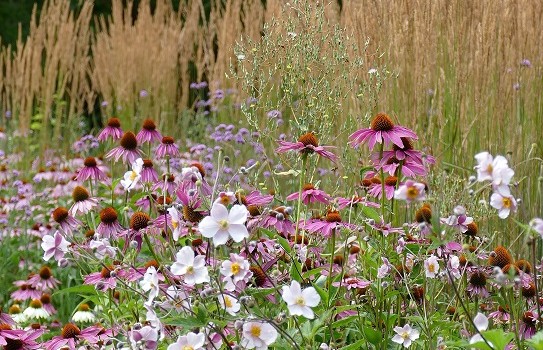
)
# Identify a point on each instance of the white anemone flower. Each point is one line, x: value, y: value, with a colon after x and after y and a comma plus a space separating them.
x: 405, y: 335
x: 150, y: 283
x: 493, y: 169
x: 258, y: 335
x: 300, y: 301
x: 191, y: 341
x: 431, y: 267
x: 175, y: 218
x: 192, y: 268
x: 411, y: 191
x: 222, y: 225
x: 504, y: 202
x: 229, y: 303
x: 132, y: 177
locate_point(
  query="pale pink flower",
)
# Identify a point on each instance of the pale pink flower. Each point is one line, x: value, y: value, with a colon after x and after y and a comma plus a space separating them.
x: 54, y: 246
x: 493, y: 169
x: 537, y: 225
x: 504, y: 202
x: 236, y: 269
x: 191, y: 341
x: 229, y: 303
x: 405, y: 335
x: 431, y: 267
x: 132, y: 177
x: 150, y: 283
x: 411, y: 191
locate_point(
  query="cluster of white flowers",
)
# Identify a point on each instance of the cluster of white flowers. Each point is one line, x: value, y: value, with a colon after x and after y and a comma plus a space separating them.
x: 497, y: 171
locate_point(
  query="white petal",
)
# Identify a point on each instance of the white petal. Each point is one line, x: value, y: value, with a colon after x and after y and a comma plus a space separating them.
x: 220, y: 238
x: 481, y: 322
x: 208, y: 227
x: 219, y: 212
x: 185, y: 256
x: 238, y: 214
x: 238, y: 232
x: 311, y: 297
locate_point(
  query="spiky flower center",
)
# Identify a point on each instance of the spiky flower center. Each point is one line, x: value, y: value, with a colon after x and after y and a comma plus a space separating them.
x: 406, y: 145
x: 84, y: 307
x: 382, y: 122
x: 524, y: 265
x: 500, y: 257
x: 60, y: 214
x: 506, y: 202
x: 391, y: 181
x: 191, y: 214
x: 108, y: 215
x: 200, y: 168
x: 167, y: 140
x: 308, y: 187
x: 259, y: 275
x: 256, y: 330
x: 473, y: 229
x: 150, y: 263
x: 14, y: 309
x: 114, y: 123
x: 147, y: 163
x: 45, y: 298
x: 139, y: 220
x: 36, y: 304
x: 333, y: 216
x: 90, y: 162
x: 106, y: 271
x: 129, y: 141
x: 478, y: 279
x: 309, y: 139
x: 45, y: 273
x: 424, y: 214
x: 529, y: 318
x: 70, y: 330
x: 149, y: 125
x: 80, y: 194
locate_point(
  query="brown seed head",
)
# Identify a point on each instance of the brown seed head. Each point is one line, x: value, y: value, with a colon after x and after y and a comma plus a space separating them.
x: 200, y: 168
x: 333, y: 216
x: 5, y: 327
x: 391, y: 180
x: 147, y: 163
x: 529, y: 318
x: 382, y: 122
x: 89, y: 234
x: 149, y: 124
x: 106, y: 271
x: 80, y: 194
x: 478, y: 278
x: 60, y: 214
x: 500, y: 258
x: 45, y: 298
x: 14, y: 309
x: 197, y: 242
x: 309, y: 139
x: 354, y: 249
x: 298, y: 239
x: 108, y: 215
x: 339, y: 260
x: 406, y: 145
x: 451, y: 310
x: 90, y: 162
x: 150, y: 263
x: 128, y: 141
x: 114, y: 123
x: 308, y: 187
x: 168, y: 140
x: 510, y: 269
x: 254, y: 210
x: 524, y: 265
x: 139, y: 220
x: 259, y: 275
x: 70, y: 330
x: 418, y: 293
x: 473, y: 229
x: 529, y: 292
x: 45, y: 273
x: 192, y: 215
x: 424, y: 214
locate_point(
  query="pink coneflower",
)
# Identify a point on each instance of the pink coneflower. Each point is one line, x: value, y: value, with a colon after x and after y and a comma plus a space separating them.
x: 167, y: 148
x: 500, y: 316
x: 354, y: 201
x: 128, y: 149
x: 83, y: 203
x: 385, y: 228
x: 91, y: 171
x: 353, y: 283
x: 528, y: 324
x: 376, y: 189
x: 382, y: 130
x: 103, y: 279
x: 46, y: 302
x: 148, y: 173
x: 43, y: 280
x: 329, y: 226
x: 6, y: 318
x: 166, y: 185
x: 67, y: 222
x: 307, y: 144
x: 278, y: 218
x: 18, y: 339
x: 477, y: 284
x: 109, y: 225
x: 112, y: 129
x: 310, y: 195
x: 71, y: 337
x: 148, y: 132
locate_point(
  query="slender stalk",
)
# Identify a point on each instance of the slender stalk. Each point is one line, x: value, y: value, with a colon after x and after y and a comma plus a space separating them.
x: 299, y: 204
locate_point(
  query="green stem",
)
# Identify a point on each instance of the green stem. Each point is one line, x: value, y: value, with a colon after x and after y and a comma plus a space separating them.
x: 299, y: 205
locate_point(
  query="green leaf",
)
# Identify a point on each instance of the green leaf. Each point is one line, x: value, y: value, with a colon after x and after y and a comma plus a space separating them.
x: 83, y: 289
x: 497, y: 338
x: 371, y: 214
x: 186, y: 322
x: 372, y: 335
x: 356, y: 345
x: 322, y: 293
x: 536, y: 342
